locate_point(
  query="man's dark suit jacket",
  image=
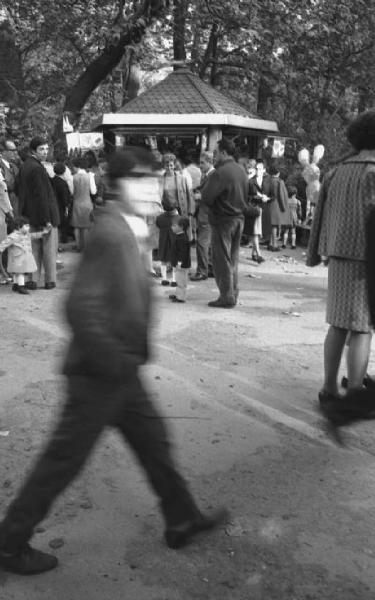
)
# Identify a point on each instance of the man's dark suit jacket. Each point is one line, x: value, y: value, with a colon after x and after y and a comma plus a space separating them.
x: 108, y: 307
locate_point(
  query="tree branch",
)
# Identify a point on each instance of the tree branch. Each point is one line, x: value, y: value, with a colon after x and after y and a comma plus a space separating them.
x: 133, y: 31
x: 209, y: 50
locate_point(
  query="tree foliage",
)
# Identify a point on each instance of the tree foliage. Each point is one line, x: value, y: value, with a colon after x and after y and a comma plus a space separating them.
x: 306, y: 63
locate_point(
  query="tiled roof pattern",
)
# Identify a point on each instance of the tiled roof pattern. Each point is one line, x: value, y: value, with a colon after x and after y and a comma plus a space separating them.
x: 182, y: 92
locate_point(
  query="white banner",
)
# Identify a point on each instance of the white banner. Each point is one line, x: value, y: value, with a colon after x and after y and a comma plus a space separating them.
x: 84, y: 141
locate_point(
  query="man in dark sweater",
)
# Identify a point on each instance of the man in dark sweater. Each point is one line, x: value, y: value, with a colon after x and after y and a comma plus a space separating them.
x: 108, y: 310
x: 225, y: 193
x: 38, y: 203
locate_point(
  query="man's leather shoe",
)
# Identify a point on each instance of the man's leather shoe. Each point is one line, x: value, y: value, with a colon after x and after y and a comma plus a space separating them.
x: 31, y: 285
x: 22, y: 290
x: 50, y: 285
x: 28, y: 561
x: 220, y: 304
x: 198, y: 277
x: 180, y: 535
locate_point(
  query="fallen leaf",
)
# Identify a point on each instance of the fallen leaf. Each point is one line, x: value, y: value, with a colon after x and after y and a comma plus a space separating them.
x: 56, y: 543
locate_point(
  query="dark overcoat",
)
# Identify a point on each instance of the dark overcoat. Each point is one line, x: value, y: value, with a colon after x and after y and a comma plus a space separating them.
x: 108, y: 307
x: 37, y: 199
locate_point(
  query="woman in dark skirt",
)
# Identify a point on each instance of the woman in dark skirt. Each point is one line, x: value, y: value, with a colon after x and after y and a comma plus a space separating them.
x: 277, y: 206
x: 338, y: 237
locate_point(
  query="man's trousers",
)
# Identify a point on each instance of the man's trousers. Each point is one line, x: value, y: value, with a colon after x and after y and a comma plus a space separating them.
x: 225, y: 243
x: 203, y: 245
x: 45, y: 254
x: 91, y: 406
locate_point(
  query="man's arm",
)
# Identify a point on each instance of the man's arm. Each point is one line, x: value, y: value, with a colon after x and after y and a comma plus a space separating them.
x: 212, y: 189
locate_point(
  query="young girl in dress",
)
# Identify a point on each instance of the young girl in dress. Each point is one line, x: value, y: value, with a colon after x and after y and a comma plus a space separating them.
x: 294, y: 217
x: 181, y: 260
x: 21, y: 261
x: 166, y: 239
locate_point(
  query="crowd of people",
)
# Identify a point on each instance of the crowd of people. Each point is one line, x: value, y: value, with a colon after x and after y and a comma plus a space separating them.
x: 215, y: 202
x: 38, y: 196
x: 63, y: 197
x: 108, y: 306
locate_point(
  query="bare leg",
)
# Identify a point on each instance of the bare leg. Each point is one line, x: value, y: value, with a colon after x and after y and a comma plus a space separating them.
x: 274, y: 237
x: 148, y: 262
x: 163, y: 270
x: 333, y: 348
x: 357, y: 358
x: 256, y: 247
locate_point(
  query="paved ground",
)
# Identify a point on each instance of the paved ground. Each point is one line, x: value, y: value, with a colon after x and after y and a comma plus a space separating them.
x: 238, y: 388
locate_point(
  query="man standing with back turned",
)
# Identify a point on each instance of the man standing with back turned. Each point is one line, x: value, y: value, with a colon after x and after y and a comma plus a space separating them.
x: 225, y: 193
x: 108, y: 310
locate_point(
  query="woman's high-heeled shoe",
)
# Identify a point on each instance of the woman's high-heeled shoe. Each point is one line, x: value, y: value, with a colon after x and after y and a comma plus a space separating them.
x: 368, y: 382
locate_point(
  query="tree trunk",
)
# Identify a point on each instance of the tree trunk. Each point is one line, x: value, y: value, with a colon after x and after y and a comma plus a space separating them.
x: 179, y: 26
x: 11, y: 76
x: 211, y: 49
x: 214, y: 58
x: 131, y: 78
x: 264, y: 95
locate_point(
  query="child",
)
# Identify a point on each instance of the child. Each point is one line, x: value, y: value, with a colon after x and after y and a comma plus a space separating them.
x: 20, y: 257
x: 166, y: 239
x: 295, y: 213
x: 181, y: 257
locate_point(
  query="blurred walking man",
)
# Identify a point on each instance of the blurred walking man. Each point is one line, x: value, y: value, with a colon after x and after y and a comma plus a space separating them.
x: 108, y: 310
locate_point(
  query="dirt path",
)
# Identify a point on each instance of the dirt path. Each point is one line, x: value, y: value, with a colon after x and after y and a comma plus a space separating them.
x: 238, y: 389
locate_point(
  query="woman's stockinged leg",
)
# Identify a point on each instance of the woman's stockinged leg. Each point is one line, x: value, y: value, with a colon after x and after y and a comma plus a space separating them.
x: 256, y: 247
x: 333, y: 348
x: 357, y: 358
x: 274, y: 237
